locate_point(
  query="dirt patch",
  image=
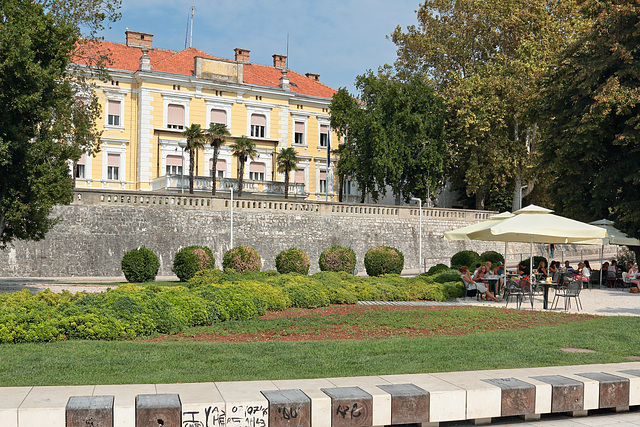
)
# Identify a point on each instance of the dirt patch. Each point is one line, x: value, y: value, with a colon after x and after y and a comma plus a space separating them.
x: 356, y: 322
x: 577, y: 350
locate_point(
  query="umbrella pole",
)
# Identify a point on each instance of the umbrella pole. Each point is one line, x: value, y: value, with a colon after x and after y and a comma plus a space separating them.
x: 601, y: 257
x: 531, y: 259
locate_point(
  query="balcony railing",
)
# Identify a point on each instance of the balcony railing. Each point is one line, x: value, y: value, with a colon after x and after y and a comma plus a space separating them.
x: 202, y: 184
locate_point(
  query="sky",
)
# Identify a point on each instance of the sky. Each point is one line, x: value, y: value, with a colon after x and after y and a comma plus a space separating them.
x: 338, y: 39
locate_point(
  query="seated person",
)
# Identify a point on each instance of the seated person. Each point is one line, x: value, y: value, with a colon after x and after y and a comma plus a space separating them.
x: 634, y: 276
x: 488, y: 266
x: 523, y: 269
x: 498, y: 270
x: 481, y: 274
x: 470, y: 285
x: 567, y: 267
x: 582, y: 273
x: 542, y: 270
x: 552, y: 268
x: 612, y: 274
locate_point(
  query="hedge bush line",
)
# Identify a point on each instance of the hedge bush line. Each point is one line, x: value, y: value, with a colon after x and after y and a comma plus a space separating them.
x: 131, y: 311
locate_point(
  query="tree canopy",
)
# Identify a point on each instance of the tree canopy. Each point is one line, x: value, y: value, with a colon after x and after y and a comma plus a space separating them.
x: 486, y: 59
x: 590, y: 106
x: 394, y: 139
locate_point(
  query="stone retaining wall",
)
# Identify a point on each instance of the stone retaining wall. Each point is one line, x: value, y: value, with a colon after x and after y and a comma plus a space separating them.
x: 99, y: 226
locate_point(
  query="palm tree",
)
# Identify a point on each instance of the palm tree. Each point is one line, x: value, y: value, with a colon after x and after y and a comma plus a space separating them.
x: 244, y: 148
x: 215, y: 137
x: 287, y: 159
x: 195, y: 137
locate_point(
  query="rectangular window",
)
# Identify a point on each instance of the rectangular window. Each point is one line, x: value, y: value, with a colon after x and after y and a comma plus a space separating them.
x: 258, y: 125
x: 219, y: 116
x: 323, y: 182
x: 298, y: 178
x: 324, y: 135
x: 113, y: 113
x: 221, y: 167
x: 80, y: 167
x: 256, y: 171
x: 298, y: 136
x: 175, y: 116
x: 174, y: 165
x: 113, y: 166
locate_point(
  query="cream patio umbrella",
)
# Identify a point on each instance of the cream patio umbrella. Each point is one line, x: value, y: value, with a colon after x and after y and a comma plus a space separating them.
x: 614, y: 237
x: 534, y: 224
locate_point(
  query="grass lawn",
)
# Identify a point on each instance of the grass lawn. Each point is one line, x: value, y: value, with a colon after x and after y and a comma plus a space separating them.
x: 299, y: 344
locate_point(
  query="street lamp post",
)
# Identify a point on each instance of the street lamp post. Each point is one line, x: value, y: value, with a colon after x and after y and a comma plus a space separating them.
x: 415, y: 199
x: 182, y: 144
x: 231, y: 247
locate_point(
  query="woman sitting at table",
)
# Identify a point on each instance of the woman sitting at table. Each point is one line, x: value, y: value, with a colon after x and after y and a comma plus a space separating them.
x: 634, y: 278
x: 552, y: 268
x: 542, y: 270
x: 477, y: 286
x: 583, y: 273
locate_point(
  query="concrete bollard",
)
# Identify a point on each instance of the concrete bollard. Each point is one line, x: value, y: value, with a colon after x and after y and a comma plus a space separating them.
x: 350, y: 407
x: 93, y: 411
x: 158, y: 410
x: 288, y: 408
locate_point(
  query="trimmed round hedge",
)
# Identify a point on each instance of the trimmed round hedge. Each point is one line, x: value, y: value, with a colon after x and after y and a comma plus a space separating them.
x: 383, y: 260
x: 337, y: 258
x: 188, y: 261
x: 437, y: 269
x: 242, y: 258
x: 468, y: 258
x: 492, y: 256
x: 293, y: 260
x: 140, y: 265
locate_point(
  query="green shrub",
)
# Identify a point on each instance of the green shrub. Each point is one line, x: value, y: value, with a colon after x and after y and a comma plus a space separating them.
x: 232, y: 302
x: 337, y: 258
x: 468, y: 258
x: 453, y: 290
x: 306, y: 295
x: 293, y: 260
x: 383, y: 260
x: 188, y: 261
x: 536, y: 261
x: 492, y: 256
x: 140, y: 265
x: 436, y: 269
x: 450, y: 275
x: 242, y: 258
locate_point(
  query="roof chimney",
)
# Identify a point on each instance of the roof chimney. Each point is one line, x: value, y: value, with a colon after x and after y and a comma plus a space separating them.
x: 279, y: 61
x: 145, y: 61
x: 284, y: 80
x: 242, y: 55
x: 314, y: 77
x: 138, y: 39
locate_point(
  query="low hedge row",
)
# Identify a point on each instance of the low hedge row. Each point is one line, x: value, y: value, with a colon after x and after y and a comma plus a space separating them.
x: 132, y: 311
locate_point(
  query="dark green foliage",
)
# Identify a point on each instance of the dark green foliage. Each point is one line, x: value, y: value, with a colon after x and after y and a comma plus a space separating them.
x: 140, y: 265
x: 436, y: 269
x: 450, y: 275
x: 293, y: 260
x: 492, y: 256
x: 536, y: 262
x: 188, y: 261
x: 383, y: 260
x: 468, y: 258
x: 337, y: 258
x: 242, y: 258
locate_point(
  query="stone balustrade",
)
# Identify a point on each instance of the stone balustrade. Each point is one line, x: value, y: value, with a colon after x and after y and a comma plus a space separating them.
x: 426, y: 399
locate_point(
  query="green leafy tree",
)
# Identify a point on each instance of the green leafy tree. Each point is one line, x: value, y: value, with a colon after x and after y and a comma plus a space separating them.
x: 244, y: 149
x: 215, y: 136
x: 195, y: 141
x: 486, y: 60
x: 48, y: 109
x: 396, y: 139
x: 287, y: 160
x: 591, y: 110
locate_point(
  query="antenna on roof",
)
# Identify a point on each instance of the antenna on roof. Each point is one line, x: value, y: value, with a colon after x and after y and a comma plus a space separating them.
x: 188, y: 36
x: 186, y: 33
x: 286, y: 64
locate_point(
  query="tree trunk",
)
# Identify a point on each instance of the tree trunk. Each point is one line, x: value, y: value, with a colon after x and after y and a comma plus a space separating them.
x: 340, y: 188
x: 286, y: 183
x: 240, y: 177
x: 74, y: 173
x: 216, y: 151
x: 191, y: 166
x: 480, y: 199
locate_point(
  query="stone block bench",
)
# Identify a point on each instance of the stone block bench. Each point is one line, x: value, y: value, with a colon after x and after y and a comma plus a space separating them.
x: 426, y: 399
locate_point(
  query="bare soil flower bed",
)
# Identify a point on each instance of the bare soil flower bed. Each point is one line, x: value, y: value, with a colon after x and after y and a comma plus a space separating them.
x: 354, y: 322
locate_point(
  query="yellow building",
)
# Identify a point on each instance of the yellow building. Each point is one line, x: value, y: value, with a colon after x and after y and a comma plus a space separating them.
x: 154, y: 94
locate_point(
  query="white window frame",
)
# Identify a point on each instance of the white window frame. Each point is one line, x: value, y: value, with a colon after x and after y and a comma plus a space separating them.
x: 110, y: 96
x: 258, y: 110
x: 299, y: 118
x: 166, y: 100
x: 323, y: 122
x: 114, y: 147
x: 219, y: 106
x: 170, y: 147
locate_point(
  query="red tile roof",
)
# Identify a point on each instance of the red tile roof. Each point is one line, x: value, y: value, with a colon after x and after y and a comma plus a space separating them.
x: 123, y: 57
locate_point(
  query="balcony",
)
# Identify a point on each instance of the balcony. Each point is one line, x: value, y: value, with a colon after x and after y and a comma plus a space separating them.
x: 202, y: 184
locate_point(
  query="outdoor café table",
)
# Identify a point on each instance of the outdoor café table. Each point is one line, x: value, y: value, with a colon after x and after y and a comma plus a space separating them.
x: 546, y: 285
x: 493, y: 283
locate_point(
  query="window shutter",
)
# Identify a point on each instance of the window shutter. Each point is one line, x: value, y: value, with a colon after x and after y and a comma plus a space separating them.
x: 258, y: 120
x: 299, y: 127
x: 256, y: 167
x: 324, y: 129
x: 222, y: 165
x: 323, y: 175
x: 175, y: 115
x: 299, y: 176
x: 113, y: 160
x: 114, y: 108
x: 219, y: 116
x: 81, y: 160
x: 174, y: 161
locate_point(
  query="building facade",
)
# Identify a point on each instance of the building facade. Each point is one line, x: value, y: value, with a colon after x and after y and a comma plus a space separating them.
x: 155, y: 94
